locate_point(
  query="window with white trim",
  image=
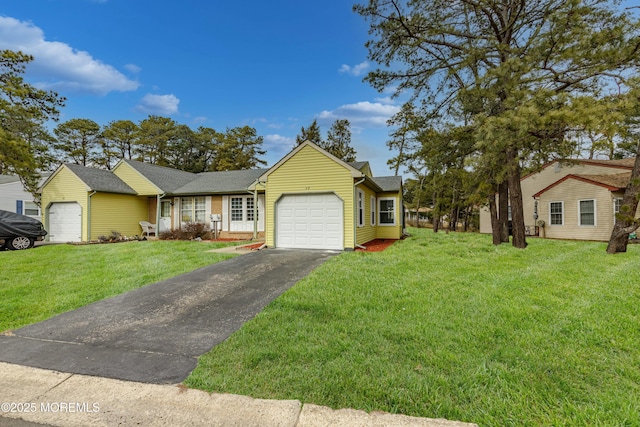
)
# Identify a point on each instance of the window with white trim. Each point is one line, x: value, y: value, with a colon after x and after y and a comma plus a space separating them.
x: 617, y: 204
x: 237, y: 209
x: 387, y: 211
x: 249, y: 208
x: 372, y: 204
x: 587, y: 212
x: 360, y: 202
x: 30, y: 208
x: 556, y: 213
x: 193, y: 209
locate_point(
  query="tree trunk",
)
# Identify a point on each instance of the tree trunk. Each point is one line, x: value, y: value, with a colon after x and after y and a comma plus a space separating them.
x: 515, y: 197
x: 503, y: 211
x: 453, y: 222
x: 495, y: 221
x: 626, y: 221
x: 436, y: 222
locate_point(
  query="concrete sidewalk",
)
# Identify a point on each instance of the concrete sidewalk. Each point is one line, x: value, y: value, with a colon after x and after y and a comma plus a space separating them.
x: 61, y: 399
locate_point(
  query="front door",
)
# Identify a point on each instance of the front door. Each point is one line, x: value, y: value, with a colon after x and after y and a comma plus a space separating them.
x: 165, y: 216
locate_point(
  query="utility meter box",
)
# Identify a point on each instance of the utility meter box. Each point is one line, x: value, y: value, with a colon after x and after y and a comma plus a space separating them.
x: 216, y: 217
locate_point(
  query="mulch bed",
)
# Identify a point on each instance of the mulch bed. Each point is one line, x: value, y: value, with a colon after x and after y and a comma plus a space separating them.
x: 377, y: 245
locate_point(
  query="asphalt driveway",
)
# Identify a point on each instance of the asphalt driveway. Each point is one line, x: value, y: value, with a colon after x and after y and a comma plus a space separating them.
x: 155, y: 334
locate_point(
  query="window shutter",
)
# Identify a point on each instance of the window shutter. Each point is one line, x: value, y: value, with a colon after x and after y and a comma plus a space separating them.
x: 19, y: 207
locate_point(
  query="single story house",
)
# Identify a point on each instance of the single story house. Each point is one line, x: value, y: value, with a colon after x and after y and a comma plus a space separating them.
x: 309, y: 199
x: 14, y: 198
x: 576, y: 199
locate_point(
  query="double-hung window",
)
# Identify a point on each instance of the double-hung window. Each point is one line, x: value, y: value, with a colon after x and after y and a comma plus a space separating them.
x: 387, y: 211
x: 372, y: 204
x: 193, y: 209
x: 360, y: 202
x: 556, y: 213
x: 617, y: 204
x: 587, y: 212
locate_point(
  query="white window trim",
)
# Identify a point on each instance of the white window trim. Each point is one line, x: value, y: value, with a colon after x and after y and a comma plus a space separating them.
x: 615, y: 212
x: 360, y: 207
x: 395, y: 212
x: 372, y: 203
x: 595, y: 210
x: 24, y: 208
x: 563, y: 210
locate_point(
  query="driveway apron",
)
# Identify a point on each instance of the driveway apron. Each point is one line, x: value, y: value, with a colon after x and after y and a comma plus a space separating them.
x: 155, y: 334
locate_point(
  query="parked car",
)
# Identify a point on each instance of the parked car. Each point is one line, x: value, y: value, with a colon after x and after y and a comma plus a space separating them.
x: 19, y: 231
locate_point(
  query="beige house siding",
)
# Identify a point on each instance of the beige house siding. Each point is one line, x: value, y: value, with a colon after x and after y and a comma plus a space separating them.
x: 65, y: 186
x: 533, y: 183
x: 310, y: 171
x: 139, y: 183
x: 117, y: 212
x: 569, y: 193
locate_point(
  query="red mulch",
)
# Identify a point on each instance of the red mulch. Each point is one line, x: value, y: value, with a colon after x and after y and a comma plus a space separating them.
x: 377, y: 245
x: 254, y: 246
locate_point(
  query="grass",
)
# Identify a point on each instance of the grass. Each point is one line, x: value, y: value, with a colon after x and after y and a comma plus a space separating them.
x: 39, y: 283
x: 447, y: 325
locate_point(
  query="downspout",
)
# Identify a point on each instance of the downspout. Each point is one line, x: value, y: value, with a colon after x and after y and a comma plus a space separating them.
x: 89, y: 215
x: 355, y: 213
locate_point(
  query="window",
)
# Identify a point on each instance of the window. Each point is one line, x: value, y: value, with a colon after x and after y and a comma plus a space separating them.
x: 193, y: 209
x: 617, y: 204
x: 165, y: 209
x: 31, y: 208
x: 587, y: 212
x: 372, y: 203
x: 236, y: 209
x: 249, y: 208
x: 387, y: 211
x: 556, y: 215
x: 360, y: 208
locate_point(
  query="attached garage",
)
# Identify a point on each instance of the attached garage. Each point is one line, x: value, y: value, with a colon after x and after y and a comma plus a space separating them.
x: 310, y: 221
x: 65, y: 222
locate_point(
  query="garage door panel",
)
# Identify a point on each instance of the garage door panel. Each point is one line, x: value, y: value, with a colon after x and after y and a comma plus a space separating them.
x: 65, y: 222
x: 312, y: 221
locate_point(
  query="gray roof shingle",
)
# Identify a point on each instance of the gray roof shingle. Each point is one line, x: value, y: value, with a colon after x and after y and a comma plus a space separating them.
x: 100, y: 179
x: 165, y: 178
x: 389, y: 183
x: 237, y: 181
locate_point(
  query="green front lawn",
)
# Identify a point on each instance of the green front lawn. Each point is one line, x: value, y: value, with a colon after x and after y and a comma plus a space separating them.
x: 39, y: 283
x: 447, y: 325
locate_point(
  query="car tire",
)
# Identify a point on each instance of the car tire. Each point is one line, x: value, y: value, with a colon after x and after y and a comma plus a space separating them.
x: 20, y: 243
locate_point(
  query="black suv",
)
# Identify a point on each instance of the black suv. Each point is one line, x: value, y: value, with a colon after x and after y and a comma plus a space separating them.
x: 19, y: 231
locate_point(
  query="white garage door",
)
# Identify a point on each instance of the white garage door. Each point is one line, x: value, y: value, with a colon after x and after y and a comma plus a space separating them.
x: 65, y: 222
x: 311, y: 221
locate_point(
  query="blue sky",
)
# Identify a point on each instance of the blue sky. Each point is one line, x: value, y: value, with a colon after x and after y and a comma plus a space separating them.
x: 274, y: 65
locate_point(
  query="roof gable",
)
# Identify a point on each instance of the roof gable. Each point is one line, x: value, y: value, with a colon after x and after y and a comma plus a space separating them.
x: 354, y: 172
x: 389, y: 183
x: 99, y: 179
x: 613, y: 182
x: 165, y: 178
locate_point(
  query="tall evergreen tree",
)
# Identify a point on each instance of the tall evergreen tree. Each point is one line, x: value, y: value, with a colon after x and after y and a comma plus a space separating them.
x: 78, y: 141
x: 339, y: 141
x: 311, y: 133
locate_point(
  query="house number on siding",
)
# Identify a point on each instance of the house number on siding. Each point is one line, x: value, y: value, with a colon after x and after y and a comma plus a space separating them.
x: 307, y: 188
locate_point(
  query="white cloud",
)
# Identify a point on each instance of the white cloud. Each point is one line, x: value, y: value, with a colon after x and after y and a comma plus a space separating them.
x: 133, y: 68
x: 57, y: 65
x: 355, y: 70
x: 158, y: 104
x: 361, y: 114
x: 279, y: 143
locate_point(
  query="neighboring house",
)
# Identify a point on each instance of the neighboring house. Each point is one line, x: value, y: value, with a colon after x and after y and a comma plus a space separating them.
x: 14, y: 198
x: 309, y: 199
x: 576, y: 199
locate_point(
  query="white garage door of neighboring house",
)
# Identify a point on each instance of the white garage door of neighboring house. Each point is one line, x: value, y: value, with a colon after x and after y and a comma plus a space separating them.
x: 65, y: 222
x: 310, y: 221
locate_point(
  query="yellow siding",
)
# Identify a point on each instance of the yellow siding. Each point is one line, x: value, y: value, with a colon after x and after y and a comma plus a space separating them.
x: 309, y: 171
x: 117, y: 212
x: 570, y: 192
x: 390, y: 231
x: 65, y: 186
x: 140, y: 184
x: 367, y: 232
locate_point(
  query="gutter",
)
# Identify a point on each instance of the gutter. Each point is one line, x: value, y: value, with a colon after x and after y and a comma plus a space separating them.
x: 355, y: 212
